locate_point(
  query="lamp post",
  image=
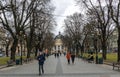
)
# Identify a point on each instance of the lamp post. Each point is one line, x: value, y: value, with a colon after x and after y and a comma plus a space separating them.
x: 24, y: 44
x: 18, y: 50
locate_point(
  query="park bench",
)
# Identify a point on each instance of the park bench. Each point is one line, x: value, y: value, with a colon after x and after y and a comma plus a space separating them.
x: 117, y: 65
x: 10, y: 63
x: 91, y: 61
x: 108, y: 62
x: 86, y: 59
x: 27, y: 60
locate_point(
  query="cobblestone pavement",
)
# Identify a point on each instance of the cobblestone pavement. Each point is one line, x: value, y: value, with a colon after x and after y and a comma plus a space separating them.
x: 58, y: 67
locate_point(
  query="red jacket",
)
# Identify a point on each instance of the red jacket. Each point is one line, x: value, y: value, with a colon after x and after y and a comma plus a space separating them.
x: 68, y: 55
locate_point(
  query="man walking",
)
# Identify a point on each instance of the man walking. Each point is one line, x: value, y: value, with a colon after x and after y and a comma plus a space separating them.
x: 41, y: 59
x: 73, y: 58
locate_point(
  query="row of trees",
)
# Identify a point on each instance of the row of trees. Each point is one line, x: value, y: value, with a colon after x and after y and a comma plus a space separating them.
x: 28, y: 20
x: 100, y: 19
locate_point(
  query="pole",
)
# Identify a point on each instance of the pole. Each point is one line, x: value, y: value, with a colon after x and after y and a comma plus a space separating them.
x: 96, y: 57
x: 21, y: 52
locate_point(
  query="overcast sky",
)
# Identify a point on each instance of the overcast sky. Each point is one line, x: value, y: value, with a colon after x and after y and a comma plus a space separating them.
x: 63, y: 9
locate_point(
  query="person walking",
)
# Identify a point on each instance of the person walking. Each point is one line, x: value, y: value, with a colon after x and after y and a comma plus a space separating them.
x: 41, y: 59
x: 55, y: 54
x: 68, y: 57
x: 73, y: 58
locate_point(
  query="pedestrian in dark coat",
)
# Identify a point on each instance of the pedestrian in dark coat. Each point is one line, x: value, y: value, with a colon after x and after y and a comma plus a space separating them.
x: 41, y: 59
x: 73, y: 58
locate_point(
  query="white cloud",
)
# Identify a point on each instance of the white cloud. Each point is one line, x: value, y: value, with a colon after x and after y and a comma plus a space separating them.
x: 63, y: 8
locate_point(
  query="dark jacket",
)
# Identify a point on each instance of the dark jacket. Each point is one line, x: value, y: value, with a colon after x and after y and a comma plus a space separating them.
x: 41, y: 59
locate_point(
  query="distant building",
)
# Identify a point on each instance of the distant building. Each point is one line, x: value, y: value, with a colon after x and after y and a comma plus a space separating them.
x: 113, y: 40
x: 58, y: 44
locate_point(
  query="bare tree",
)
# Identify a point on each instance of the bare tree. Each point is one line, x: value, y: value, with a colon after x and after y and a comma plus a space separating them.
x: 115, y: 14
x: 44, y: 25
x: 101, y: 11
x: 49, y: 41
x: 36, y: 20
x: 15, y: 17
x: 75, y: 28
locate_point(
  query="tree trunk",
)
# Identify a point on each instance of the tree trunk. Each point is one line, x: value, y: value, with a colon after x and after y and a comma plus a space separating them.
x: 104, y: 44
x: 7, y: 55
x: 13, y: 49
x: 82, y: 50
x: 36, y: 51
x: 24, y: 50
x: 77, y: 50
x: 104, y: 50
x: 29, y: 46
x: 28, y: 52
x: 118, y: 59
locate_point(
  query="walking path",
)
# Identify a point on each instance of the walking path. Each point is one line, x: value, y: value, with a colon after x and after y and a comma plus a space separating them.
x: 58, y: 67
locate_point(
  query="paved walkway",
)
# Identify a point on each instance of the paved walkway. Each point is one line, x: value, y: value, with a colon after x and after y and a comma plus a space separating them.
x: 58, y: 67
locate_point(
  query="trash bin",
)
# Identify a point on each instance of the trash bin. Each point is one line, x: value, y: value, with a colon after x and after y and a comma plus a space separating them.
x: 17, y: 61
x: 100, y: 60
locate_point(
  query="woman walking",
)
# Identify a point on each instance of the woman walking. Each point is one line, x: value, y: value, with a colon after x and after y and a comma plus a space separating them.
x: 68, y: 57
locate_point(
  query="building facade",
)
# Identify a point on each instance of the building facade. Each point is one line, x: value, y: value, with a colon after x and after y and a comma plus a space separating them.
x: 58, y: 44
